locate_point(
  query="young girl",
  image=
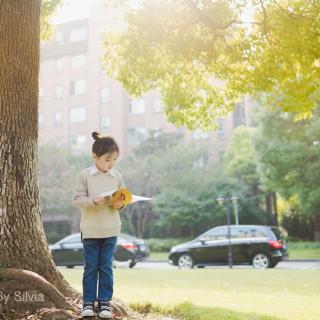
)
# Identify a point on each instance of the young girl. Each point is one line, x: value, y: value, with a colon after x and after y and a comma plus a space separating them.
x: 100, y: 224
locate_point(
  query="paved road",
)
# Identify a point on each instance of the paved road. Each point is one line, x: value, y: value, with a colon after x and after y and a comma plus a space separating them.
x: 294, y: 265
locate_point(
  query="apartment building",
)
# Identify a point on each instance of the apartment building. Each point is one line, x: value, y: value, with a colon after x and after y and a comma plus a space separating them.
x: 76, y: 97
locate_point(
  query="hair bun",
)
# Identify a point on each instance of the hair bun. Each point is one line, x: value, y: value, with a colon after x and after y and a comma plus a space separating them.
x: 95, y: 135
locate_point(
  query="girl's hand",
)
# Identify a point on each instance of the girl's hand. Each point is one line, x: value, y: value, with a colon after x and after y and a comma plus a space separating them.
x: 101, y: 201
x: 117, y: 204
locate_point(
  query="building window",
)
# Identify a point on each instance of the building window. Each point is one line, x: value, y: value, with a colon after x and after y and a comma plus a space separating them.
x: 105, y: 122
x: 78, y: 61
x: 58, y: 119
x: 137, y: 106
x: 59, y: 38
x: 157, y: 107
x: 41, y: 92
x: 78, y: 35
x: 136, y: 135
x: 200, y: 135
x: 78, y: 114
x: 78, y: 87
x: 58, y: 92
x: 78, y: 141
x: 59, y: 65
x: 220, y: 127
x: 105, y: 94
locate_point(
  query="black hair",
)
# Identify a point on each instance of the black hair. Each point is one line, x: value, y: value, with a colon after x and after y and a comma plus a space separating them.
x: 103, y: 144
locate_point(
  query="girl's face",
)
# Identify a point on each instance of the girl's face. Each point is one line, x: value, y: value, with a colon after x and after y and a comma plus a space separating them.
x: 105, y: 162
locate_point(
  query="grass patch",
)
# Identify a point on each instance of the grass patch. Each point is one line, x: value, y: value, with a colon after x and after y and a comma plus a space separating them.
x: 286, y: 294
x: 304, y: 250
x: 158, y: 256
x: 188, y: 311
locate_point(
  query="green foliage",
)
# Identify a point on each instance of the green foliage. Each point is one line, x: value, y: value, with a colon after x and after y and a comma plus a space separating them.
x: 53, y: 237
x: 288, y: 159
x: 202, y: 56
x: 185, y: 180
x: 48, y: 8
x: 58, y: 167
x: 298, y: 225
x: 142, y: 171
x: 164, y: 245
x: 304, y: 245
x: 240, y: 157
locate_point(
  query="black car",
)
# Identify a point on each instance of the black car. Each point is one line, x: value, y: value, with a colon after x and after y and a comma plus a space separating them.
x: 251, y: 244
x: 69, y: 250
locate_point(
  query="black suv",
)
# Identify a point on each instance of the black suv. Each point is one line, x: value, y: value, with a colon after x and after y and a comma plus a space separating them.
x: 251, y: 244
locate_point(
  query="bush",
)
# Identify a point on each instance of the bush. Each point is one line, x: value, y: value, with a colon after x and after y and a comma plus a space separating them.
x: 298, y: 226
x: 304, y: 245
x: 53, y: 237
x: 163, y: 245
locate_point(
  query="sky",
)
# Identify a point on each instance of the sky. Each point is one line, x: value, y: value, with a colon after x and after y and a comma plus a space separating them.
x: 79, y: 9
x: 73, y: 10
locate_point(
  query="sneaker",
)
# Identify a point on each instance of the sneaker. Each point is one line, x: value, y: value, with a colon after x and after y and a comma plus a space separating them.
x: 88, y: 310
x: 104, y: 310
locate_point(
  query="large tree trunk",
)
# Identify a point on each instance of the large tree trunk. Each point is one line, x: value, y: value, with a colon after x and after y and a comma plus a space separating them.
x: 23, y: 243
x: 22, y: 239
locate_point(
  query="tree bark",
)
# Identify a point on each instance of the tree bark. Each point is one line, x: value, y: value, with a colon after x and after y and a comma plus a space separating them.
x: 23, y: 244
x: 22, y: 239
x: 269, y: 208
x: 275, y: 208
x: 316, y: 224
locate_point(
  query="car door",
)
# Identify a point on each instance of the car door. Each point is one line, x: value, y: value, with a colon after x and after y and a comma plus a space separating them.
x: 212, y: 246
x: 70, y: 251
x: 240, y: 242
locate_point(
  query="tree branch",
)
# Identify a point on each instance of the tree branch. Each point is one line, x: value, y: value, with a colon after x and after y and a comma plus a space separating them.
x: 204, y: 17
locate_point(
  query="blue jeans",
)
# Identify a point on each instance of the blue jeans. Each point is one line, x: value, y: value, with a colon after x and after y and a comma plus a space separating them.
x: 97, y: 255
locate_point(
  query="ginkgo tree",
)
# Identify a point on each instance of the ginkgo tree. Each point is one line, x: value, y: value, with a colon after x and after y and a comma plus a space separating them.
x: 203, y: 56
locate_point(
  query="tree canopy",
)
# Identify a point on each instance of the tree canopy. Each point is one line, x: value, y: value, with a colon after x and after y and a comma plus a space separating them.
x: 203, y: 56
x: 288, y: 157
x: 48, y: 8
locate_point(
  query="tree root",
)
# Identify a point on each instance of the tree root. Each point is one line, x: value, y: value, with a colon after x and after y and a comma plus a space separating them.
x: 28, y: 296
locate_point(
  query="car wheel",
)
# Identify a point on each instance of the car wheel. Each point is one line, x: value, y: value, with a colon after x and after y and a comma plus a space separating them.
x: 132, y: 263
x: 261, y: 261
x: 185, y: 261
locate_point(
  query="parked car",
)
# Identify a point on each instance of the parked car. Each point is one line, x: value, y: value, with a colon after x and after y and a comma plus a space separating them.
x: 69, y: 250
x: 251, y: 244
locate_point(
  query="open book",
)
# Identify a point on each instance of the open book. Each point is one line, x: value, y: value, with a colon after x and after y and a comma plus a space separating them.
x: 124, y: 195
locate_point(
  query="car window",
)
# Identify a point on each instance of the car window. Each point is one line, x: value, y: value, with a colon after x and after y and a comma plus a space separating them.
x: 74, y: 238
x: 255, y: 233
x: 240, y: 233
x: 215, y: 234
x: 280, y: 233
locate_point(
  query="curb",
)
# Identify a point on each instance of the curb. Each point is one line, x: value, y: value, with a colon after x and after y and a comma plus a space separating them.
x: 302, y: 260
x: 290, y: 260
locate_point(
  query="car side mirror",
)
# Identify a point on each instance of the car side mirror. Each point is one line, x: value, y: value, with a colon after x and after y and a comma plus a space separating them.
x: 62, y: 245
x: 203, y: 240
